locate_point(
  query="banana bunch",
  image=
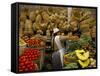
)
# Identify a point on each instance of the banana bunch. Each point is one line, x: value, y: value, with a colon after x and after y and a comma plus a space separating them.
x: 82, y: 55
x: 21, y: 42
x: 22, y: 46
x: 84, y: 64
x: 83, y: 58
x: 69, y: 58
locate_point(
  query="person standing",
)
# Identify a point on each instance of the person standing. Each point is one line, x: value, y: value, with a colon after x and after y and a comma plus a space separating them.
x: 58, y: 39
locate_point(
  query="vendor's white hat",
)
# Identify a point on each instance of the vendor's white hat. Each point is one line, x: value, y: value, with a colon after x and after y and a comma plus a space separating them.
x: 55, y: 30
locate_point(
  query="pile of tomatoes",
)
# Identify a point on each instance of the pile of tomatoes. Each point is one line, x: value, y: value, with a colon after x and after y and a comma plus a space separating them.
x: 26, y: 60
x: 34, y: 42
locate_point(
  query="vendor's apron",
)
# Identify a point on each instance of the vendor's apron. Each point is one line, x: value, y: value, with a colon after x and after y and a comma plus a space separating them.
x: 58, y: 56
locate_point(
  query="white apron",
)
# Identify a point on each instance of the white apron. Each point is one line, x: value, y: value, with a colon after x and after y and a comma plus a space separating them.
x: 61, y: 49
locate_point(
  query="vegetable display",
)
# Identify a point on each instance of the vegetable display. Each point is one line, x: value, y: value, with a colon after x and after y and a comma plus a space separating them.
x: 80, y: 57
x: 34, y: 42
x: 27, y: 60
x: 26, y: 65
x: 37, y: 41
x: 71, y: 66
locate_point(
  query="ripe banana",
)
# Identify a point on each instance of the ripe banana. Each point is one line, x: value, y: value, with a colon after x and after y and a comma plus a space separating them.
x: 84, y: 64
x: 82, y: 55
x: 21, y: 42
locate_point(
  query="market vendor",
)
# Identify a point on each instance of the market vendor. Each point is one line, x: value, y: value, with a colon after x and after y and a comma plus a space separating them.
x: 57, y: 57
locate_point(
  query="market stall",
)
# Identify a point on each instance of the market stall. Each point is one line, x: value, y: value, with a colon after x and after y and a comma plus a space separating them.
x: 36, y: 37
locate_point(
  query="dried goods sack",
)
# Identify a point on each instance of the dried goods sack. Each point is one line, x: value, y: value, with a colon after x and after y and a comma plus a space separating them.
x: 21, y: 28
x: 38, y: 19
x: 45, y: 17
x: 32, y: 16
x: 28, y: 27
x: 23, y: 17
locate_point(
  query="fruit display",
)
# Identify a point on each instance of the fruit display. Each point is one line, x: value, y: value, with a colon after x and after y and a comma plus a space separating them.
x: 27, y: 60
x: 34, y: 42
x: 26, y: 65
x: 81, y: 58
x: 22, y: 45
x: 84, y: 64
x: 22, y: 42
x: 70, y: 57
x: 38, y: 40
x: 82, y: 55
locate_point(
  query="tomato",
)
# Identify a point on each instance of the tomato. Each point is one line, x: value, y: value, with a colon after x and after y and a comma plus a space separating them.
x: 31, y: 68
x: 20, y: 70
x: 23, y: 67
x: 26, y: 69
x: 26, y: 60
x: 21, y: 64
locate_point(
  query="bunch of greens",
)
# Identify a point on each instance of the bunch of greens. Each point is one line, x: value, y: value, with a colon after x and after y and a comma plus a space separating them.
x: 71, y: 66
x: 83, y: 41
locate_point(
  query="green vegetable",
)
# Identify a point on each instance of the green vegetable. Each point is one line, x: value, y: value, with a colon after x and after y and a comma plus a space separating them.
x: 83, y: 41
x: 73, y: 45
x: 71, y: 66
